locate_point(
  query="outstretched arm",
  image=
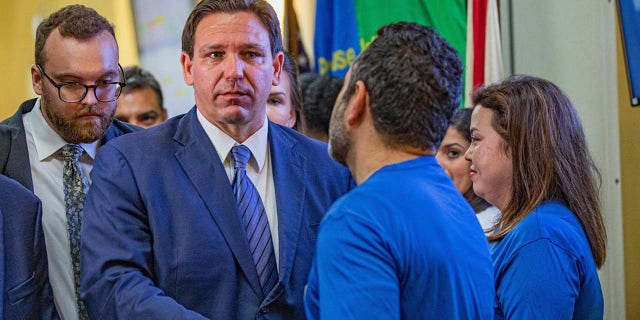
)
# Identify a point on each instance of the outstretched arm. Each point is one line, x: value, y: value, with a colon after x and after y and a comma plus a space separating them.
x: 117, y: 257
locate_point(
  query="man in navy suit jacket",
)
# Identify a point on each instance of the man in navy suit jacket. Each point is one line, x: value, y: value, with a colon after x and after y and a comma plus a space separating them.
x: 26, y: 291
x: 162, y: 235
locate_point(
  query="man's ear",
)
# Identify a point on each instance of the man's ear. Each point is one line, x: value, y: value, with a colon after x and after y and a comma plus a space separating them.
x: 278, y: 64
x: 358, y: 105
x: 187, y: 64
x: 36, y: 80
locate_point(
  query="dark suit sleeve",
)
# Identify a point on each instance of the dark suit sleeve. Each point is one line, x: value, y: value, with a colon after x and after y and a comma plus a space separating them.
x: 117, y: 250
x: 5, y: 145
x: 1, y: 262
x: 45, y: 304
x: 27, y: 293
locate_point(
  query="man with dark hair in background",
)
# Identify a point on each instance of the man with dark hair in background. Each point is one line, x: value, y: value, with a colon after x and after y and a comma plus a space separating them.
x: 212, y: 214
x: 319, y: 94
x: 404, y: 244
x: 141, y: 101
x: 49, y: 144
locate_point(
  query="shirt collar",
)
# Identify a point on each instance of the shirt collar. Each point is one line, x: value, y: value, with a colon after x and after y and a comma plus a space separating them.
x: 47, y: 142
x: 257, y: 143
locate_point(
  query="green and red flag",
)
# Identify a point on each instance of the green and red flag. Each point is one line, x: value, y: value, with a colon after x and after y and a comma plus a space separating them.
x: 341, y: 29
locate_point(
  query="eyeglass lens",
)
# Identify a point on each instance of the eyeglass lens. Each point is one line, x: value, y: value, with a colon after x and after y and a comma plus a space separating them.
x: 74, y: 92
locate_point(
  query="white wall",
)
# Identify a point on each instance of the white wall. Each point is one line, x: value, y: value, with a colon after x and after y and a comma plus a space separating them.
x: 572, y: 43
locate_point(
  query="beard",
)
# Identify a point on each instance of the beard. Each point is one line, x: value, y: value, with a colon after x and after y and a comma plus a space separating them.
x: 65, y: 120
x: 339, y: 141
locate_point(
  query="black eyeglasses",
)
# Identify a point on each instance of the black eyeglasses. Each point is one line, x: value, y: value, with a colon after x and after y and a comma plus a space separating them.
x: 75, y: 92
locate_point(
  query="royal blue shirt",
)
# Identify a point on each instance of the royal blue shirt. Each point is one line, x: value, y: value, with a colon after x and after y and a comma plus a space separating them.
x: 544, y: 269
x: 404, y: 244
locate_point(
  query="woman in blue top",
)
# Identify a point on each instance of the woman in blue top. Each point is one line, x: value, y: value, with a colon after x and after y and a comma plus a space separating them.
x: 530, y: 159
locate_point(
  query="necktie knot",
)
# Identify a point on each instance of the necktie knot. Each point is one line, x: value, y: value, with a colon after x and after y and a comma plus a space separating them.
x: 71, y: 152
x: 241, y: 155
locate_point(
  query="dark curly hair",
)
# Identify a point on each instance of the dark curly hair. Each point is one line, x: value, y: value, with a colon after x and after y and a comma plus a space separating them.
x: 414, y: 81
x: 319, y: 96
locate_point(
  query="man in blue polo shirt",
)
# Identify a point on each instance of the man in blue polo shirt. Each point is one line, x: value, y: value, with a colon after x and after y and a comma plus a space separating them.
x: 404, y: 244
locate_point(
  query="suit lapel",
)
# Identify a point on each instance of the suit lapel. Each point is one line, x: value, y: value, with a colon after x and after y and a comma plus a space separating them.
x: 200, y: 161
x: 17, y: 162
x: 288, y: 168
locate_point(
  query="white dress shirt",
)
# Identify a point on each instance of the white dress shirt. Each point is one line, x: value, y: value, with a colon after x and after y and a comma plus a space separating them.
x: 46, y: 170
x: 259, y: 168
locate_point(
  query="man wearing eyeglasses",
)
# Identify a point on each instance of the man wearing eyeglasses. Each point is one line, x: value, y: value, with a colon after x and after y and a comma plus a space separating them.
x: 49, y: 144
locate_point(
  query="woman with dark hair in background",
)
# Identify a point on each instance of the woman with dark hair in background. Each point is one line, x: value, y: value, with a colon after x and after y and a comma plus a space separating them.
x: 285, y: 100
x: 450, y: 155
x: 530, y: 159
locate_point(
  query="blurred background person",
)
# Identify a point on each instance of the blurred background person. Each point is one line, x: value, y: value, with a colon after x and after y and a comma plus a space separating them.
x: 285, y: 99
x: 450, y: 155
x: 530, y: 159
x: 319, y: 94
x: 141, y: 101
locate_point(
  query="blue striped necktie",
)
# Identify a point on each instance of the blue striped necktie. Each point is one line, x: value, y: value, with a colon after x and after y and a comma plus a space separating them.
x: 76, y: 186
x: 254, y: 220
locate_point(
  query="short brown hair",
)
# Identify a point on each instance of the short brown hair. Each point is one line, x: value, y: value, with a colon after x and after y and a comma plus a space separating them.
x: 260, y: 8
x: 76, y: 21
x: 551, y: 162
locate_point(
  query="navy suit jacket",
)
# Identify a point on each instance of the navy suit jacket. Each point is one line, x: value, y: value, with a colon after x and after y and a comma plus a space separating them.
x: 14, y: 163
x: 14, y: 153
x: 24, y: 279
x: 161, y: 234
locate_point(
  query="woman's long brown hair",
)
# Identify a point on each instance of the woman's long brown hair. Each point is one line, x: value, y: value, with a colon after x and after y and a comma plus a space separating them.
x: 551, y: 162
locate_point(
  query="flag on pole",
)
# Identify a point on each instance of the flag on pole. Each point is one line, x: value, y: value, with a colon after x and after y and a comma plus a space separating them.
x: 343, y: 28
x: 336, y: 36
x: 484, y: 53
x: 306, y: 14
